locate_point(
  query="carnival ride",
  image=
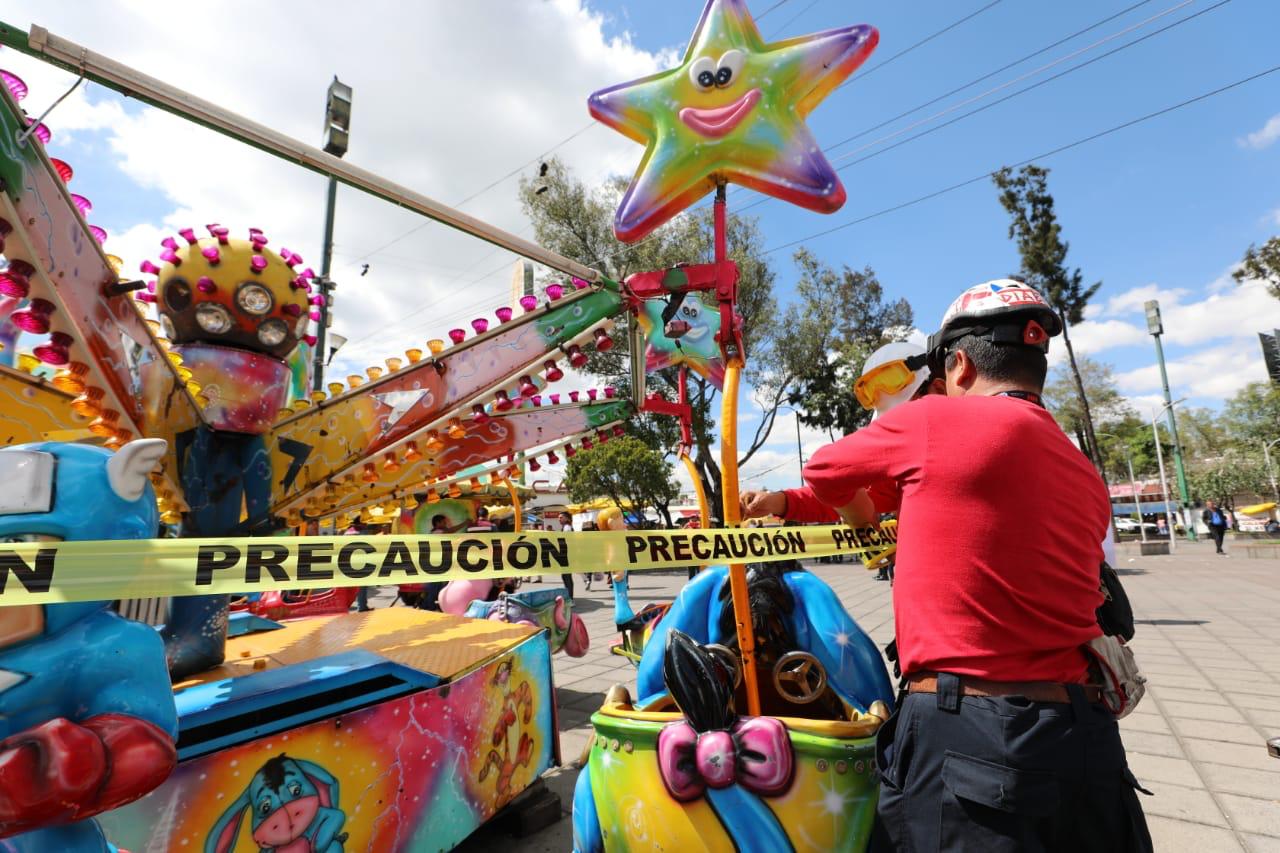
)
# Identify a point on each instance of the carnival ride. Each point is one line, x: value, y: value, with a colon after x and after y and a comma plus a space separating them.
x: 398, y: 728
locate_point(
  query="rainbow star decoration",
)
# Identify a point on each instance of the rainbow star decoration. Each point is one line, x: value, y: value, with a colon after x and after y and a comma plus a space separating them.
x: 733, y: 110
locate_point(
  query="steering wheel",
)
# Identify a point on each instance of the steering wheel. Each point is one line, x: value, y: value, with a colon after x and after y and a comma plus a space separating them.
x: 799, y: 677
x: 726, y: 656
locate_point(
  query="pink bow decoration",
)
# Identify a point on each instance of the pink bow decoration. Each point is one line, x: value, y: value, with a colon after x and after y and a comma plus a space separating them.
x: 755, y: 753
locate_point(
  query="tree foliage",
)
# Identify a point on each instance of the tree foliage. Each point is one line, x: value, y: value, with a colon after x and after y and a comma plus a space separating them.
x: 1222, y: 479
x: 1261, y: 264
x: 1063, y: 400
x: 1252, y: 416
x: 626, y: 471
x: 1035, y: 229
x: 838, y: 318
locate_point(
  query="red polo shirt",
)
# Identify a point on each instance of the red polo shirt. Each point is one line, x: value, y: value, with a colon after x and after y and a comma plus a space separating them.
x: 999, y: 536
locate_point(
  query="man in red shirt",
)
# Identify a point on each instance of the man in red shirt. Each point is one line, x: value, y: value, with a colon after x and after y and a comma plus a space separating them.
x: 999, y: 744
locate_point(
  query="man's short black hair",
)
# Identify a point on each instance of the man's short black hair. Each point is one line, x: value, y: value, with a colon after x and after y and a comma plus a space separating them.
x: 438, y: 521
x: 482, y: 512
x: 1002, y: 362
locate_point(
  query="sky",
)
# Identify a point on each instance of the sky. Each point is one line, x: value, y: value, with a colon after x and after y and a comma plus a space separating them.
x: 456, y: 99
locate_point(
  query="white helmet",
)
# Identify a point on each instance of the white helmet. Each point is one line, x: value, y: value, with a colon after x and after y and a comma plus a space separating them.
x: 1005, y: 311
x: 880, y: 398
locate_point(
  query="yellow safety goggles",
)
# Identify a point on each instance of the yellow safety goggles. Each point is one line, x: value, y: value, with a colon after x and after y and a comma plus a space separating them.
x: 888, y: 378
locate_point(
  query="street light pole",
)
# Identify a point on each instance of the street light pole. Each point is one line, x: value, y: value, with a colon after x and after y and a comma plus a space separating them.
x: 1271, y: 474
x: 1164, y: 483
x: 337, y: 135
x: 1156, y: 328
x: 799, y: 447
x: 1133, y: 484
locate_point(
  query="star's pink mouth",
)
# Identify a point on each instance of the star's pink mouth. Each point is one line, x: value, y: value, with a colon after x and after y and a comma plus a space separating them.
x: 718, y: 122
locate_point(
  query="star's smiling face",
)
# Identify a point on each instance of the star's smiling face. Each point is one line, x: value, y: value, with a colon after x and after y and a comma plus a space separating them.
x: 714, y: 79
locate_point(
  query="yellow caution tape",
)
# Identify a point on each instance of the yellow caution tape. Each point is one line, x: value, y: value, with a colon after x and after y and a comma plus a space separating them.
x: 55, y: 572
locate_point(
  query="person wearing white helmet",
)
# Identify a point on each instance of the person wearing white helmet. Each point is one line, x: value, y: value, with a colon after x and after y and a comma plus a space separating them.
x: 1001, y: 741
x: 894, y: 374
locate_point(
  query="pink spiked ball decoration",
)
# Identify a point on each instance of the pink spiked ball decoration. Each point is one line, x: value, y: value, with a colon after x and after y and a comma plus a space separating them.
x: 188, y: 234
x: 219, y: 231
x: 207, y: 285
x: 257, y: 263
x: 212, y: 255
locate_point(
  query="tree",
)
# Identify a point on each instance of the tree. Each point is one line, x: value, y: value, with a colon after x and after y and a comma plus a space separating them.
x: 576, y: 220
x: 839, y: 318
x: 1236, y: 472
x: 1252, y: 416
x: 627, y: 472
x: 1261, y: 264
x: 1064, y: 400
x: 1038, y: 235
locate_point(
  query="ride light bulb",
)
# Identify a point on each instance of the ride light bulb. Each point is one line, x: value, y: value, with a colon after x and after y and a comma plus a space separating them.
x: 534, y: 466
x: 370, y: 474
x: 604, y: 343
x: 577, y: 358
x: 501, y: 401
x: 554, y: 373
x: 411, y: 452
x: 527, y: 388
x: 34, y: 318
x: 457, y: 335
x: 389, y: 463
x: 552, y: 459
x: 554, y: 291
x: 503, y: 314
x: 480, y: 415
x: 480, y: 324
x: 55, y: 351
x: 569, y: 451
x: 528, y: 302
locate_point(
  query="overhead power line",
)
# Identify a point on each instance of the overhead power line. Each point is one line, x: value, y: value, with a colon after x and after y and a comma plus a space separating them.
x: 948, y: 28
x: 1041, y: 156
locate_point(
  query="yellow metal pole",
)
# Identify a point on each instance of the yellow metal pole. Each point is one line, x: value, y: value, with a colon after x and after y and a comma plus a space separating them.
x: 732, y: 518
x: 515, y: 503
x: 704, y: 512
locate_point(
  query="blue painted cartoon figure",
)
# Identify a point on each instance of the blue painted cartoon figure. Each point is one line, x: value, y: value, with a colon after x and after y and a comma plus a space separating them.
x: 294, y: 809
x: 87, y: 720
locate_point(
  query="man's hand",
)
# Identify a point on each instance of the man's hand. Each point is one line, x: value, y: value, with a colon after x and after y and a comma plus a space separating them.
x: 760, y: 504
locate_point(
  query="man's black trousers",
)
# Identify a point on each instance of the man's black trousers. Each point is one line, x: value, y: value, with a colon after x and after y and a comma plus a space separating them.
x: 1218, y: 533
x: 1004, y: 774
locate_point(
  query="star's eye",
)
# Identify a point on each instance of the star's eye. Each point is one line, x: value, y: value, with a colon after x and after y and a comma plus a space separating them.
x: 703, y: 73
x: 730, y: 67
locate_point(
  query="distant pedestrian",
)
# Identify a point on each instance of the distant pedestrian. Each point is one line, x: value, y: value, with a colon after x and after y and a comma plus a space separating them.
x: 1216, y: 520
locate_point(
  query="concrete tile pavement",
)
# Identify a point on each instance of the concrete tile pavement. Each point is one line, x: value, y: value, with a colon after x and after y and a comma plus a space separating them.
x: 1208, y: 640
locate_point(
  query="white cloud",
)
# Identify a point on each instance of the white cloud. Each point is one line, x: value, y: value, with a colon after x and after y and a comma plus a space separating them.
x: 447, y: 98
x: 1265, y: 136
x: 1207, y: 375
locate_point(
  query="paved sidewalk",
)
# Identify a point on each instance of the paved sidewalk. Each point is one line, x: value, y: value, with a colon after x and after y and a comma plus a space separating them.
x: 1208, y: 640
